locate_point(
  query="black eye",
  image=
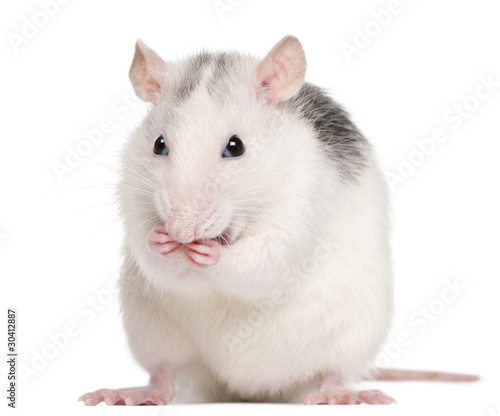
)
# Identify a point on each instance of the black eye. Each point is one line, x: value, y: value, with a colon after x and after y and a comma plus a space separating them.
x: 160, y: 147
x: 234, y: 147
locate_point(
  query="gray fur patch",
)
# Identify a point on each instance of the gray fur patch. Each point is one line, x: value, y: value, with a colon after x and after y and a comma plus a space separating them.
x: 222, y: 74
x: 220, y: 65
x: 194, y: 71
x: 346, y: 145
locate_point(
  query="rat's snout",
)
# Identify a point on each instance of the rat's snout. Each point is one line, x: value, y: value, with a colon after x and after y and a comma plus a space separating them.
x: 181, y: 234
x: 182, y: 226
x: 199, y: 218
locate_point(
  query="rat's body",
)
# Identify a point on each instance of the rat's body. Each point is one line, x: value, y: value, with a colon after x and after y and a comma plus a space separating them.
x: 283, y: 332
x: 258, y: 273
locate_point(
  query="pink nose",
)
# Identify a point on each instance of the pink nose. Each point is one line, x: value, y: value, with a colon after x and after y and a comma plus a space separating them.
x: 183, y: 235
x: 181, y: 228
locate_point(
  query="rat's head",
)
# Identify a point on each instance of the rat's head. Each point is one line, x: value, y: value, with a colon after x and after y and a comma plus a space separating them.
x: 215, y: 150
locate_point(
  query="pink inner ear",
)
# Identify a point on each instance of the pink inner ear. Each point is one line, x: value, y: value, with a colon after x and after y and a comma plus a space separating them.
x: 278, y: 80
x: 156, y: 71
x: 147, y: 72
x: 281, y: 73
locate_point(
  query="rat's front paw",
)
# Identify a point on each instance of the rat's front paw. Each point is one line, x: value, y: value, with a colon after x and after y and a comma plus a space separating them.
x: 200, y: 253
x: 203, y: 253
x: 160, y: 242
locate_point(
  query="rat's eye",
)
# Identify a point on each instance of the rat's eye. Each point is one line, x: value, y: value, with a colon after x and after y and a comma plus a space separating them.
x: 234, y: 147
x: 160, y: 147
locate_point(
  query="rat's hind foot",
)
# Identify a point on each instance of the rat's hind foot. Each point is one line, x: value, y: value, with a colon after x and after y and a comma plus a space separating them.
x: 134, y: 396
x: 340, y: 395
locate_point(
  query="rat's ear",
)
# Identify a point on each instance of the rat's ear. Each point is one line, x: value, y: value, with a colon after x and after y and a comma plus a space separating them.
x: 147, y: 72
x: 281, y: 73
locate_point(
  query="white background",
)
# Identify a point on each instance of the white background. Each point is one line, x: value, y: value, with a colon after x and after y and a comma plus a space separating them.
x: 60, y: 237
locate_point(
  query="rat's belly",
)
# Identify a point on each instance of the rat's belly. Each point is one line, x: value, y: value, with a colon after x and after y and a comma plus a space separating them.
x: 274, y: 347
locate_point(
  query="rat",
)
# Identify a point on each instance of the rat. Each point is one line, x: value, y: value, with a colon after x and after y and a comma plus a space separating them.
x: 257, y: 261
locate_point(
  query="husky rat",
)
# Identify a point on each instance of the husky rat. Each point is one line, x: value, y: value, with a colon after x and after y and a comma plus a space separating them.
x: 257, y: 259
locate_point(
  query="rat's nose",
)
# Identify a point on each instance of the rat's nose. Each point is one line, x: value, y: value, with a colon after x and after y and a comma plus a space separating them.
x: 182, y: 226
x: 182, y: 235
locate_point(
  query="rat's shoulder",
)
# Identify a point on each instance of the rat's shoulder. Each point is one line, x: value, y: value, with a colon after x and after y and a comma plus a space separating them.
x: 342, y: 140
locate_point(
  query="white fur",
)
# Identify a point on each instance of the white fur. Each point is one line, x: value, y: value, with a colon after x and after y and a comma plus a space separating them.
x: 248, y: 326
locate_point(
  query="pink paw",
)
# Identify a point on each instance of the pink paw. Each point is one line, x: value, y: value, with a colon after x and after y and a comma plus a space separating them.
x: 200, y: 253
x: 129, y: 397
x: 346, y: 396
x: 203, y: 253
x: 160, y: 242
